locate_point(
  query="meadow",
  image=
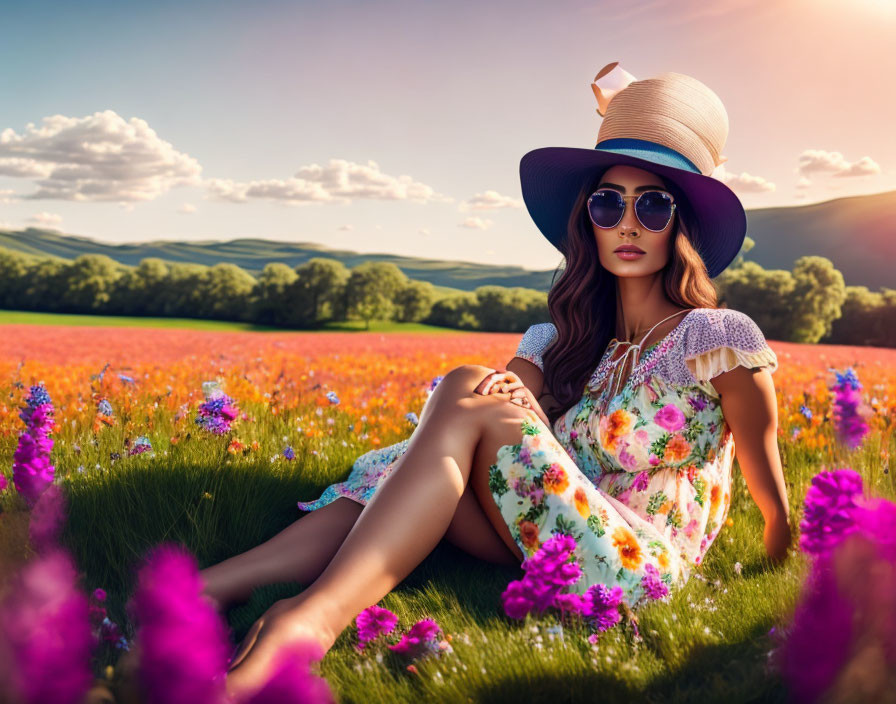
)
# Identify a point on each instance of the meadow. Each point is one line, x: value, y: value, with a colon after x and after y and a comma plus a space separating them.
x: 330, y: 397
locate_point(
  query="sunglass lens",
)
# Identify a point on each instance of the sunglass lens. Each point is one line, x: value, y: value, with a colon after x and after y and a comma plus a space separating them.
x: 654, y: 210
x: 605, y: 208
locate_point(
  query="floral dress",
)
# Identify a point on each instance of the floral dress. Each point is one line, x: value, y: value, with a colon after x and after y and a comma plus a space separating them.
x: 638, y: 475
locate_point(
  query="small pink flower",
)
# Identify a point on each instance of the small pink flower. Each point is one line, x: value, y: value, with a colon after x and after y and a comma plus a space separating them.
x: 670, y: 417
x: 373, y: 622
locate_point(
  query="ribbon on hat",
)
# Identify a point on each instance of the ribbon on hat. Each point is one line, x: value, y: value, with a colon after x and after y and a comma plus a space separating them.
x: 609, y: 81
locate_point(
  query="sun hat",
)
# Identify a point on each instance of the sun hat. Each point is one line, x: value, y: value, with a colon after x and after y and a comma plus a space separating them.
x: 672, y: 125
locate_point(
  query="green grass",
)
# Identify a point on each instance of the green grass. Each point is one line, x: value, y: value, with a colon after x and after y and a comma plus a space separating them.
x: 19, y: 317
x: 709, y: 643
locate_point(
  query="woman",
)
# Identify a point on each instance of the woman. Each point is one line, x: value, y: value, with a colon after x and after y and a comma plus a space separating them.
x: 615, y: 423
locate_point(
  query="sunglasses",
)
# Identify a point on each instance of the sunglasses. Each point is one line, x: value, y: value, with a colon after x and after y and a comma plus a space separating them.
x: 652, y: 208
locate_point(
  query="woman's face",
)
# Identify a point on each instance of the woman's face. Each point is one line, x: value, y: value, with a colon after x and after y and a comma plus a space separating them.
x: 630, y: 180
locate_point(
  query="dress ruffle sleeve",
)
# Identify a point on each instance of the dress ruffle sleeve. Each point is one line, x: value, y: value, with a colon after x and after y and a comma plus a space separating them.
x: 535, y: 341
x: 723, y: 339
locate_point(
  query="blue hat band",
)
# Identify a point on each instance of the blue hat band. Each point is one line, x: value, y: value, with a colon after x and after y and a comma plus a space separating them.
x: 651, y: 151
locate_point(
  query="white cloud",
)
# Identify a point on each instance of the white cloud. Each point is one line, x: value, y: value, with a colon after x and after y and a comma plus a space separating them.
x: 423, y: 231
x: 340, y: 181
x: 347, y: 227
x: 187, y: 209
x: 743, y: 182
x: 44, y: 219
x: 101, y: 157
x: 477, y: 223
x: 803, y: 182
x: 818, y: 161
x: 7, y: 196
x: 490, y: 200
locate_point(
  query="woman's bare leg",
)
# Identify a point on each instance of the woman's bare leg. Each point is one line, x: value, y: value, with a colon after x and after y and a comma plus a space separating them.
x: 297, y: 553
x: 407, y: 516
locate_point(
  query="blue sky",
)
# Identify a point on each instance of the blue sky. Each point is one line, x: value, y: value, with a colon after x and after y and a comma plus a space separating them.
x: 398, y: 126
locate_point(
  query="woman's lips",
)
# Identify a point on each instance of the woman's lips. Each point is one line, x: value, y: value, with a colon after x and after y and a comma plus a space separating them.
x: 628, y: 254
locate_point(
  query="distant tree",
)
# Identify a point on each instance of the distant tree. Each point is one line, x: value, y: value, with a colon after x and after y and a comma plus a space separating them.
x: 225, y: 291
x: 414, y: 301
x: 818, y: 293
x: 502, y: 309
x: 318, y: 293
x: 371, y: 290
x: 89, y: 282
x: 456, y: 311
x: 141, y: 289
x: 271, y: 303
x: 44, y: 282
x: 13, y: 277
x: 183, y: 294
x: 868, y: 318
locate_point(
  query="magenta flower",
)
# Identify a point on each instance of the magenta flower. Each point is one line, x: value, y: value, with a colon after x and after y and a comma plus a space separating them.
x: 603, y: 605
x: 548, y: 572
x: 292, y: 679
x: 670, y: 417
x: 830, y: 510
x: 373, y: 622
x: 654, y: 587
x: 570, y: 604
x: 32, y: 472
x: 421, y: 638
x: 184, y: 646
x: 45, y: 639
x: 3, y: 482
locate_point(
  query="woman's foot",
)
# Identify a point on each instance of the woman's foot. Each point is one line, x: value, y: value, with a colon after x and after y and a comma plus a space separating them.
x: 282, y: 626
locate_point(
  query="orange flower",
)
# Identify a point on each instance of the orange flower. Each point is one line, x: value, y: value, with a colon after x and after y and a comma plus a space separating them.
x: 554, y: 479
x: 677, y: 449
x: 529, y: 535
x: 617, y: 424
x: 627, y: 545
x: 235, y: 446
x: 581, y: 499
x: 715, y: 498
x: 663, y: 561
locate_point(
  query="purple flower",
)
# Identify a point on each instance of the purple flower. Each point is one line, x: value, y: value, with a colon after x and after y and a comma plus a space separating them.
x: 571, y: 603
x: 332, y: 397
x: 3, y: 482
x: 184, y: 644
x: 99, y: 594
x: 830, y: 510
x: 45, y: 638
x: 849, y: 423
x: 217, y: 413
x: 654, y: 587
x: 104, y: 407
x: 435, y: 382
x: 289, y: 453
x: 603, y: 605
x: 422, y: 638
x: 373, y: 622
x: 141, y: 444
x: 292, y: 679
x: 32, y: 472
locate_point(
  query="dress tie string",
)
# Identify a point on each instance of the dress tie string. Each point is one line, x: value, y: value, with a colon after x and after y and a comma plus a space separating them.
x: 620, y: 363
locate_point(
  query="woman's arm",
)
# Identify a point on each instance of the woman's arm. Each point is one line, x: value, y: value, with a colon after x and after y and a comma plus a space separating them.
x: 750, y: 408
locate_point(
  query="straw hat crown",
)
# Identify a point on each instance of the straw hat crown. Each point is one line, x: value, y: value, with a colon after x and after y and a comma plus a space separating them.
x: 671, y: 109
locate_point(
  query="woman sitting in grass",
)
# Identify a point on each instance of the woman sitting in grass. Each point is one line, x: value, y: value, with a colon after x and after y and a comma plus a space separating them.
x: 615, y: 423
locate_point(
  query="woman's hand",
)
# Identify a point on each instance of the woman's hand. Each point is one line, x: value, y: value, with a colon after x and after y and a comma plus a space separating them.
x: 502, y: 381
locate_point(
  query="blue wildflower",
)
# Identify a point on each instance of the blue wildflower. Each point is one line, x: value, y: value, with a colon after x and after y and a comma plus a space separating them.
x: 332, y: 397
x: 105, y: 407
x: 412, y: 417
x: 289, y: 453
x: 435, y: 382
x: 806, y: 412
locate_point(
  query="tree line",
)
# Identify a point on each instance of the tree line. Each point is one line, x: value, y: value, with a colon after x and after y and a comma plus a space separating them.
x: 809, y: 304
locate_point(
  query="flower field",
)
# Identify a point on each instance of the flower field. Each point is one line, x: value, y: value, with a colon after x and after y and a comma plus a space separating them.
x: 146, y: 455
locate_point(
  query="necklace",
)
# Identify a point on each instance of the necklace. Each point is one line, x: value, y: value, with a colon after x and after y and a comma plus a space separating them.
x: 621, y: 367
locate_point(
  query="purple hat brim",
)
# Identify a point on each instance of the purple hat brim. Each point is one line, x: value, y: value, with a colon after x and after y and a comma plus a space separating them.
x: 551, y: 178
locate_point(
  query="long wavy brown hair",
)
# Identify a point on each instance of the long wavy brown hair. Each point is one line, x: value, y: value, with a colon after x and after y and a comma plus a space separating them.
x: 582, y: 302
